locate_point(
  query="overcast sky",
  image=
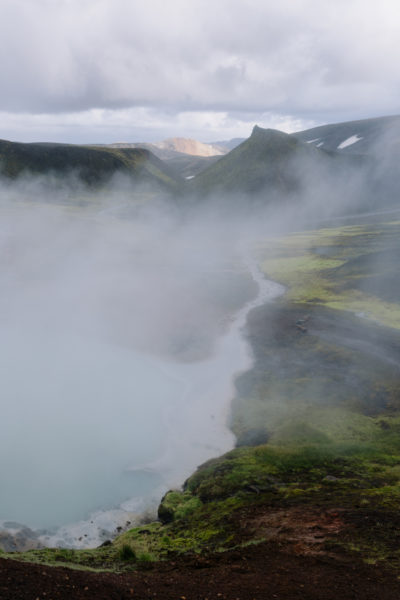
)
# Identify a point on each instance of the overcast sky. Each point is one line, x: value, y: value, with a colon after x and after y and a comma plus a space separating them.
x: 142, y: 70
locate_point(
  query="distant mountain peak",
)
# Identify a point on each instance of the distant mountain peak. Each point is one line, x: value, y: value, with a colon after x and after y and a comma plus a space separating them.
x: 174, y: 146
x: 261, y: 162
x: 190, y: 146
x: 260, y: 132
x: 257, y: 129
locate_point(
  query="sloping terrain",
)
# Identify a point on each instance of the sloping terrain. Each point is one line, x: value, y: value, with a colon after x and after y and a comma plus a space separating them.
x: 185, y: 157
x: 366, y: 136
x: 378, y: 139
x: 229, y: 144
x: 187, y: 166
x: 307, y: 505
x: 192, y: 147
x: 252, y: 573
x: 176, y: 145
x: 269, y: 161
x: 90, y: 165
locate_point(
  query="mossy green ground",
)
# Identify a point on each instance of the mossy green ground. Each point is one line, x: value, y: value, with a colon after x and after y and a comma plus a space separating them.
x: 317, y: 417
x: 351, y: 268
x: 92, y: 165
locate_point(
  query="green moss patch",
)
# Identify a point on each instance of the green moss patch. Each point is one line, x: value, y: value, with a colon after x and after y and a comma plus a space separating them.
x: 349, y: 268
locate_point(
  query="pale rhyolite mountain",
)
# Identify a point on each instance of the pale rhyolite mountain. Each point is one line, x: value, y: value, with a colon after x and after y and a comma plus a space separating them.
x: 169, y: 148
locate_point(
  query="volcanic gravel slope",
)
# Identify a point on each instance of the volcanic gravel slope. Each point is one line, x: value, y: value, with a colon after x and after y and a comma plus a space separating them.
x: 258, y: 572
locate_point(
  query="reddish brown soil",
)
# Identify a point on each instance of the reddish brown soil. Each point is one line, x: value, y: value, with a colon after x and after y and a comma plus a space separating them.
x: 299, y: 529
x: 258, y: 572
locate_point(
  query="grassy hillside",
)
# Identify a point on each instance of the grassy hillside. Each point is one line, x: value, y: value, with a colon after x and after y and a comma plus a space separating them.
x: 269, y: 161
x: 91, y: 165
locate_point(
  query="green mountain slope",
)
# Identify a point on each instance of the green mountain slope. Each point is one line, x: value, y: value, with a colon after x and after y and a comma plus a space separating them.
x: 188, y: 166
x: 378, y: 139
x: 91, y: 165
x: 268, y: 160
x: 229, y: 144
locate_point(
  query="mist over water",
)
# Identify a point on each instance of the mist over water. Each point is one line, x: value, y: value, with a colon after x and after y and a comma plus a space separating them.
x: 121, y: 337
x: 120, y: 341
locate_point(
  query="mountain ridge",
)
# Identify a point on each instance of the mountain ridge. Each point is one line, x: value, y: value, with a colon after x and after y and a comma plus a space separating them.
x: 92, y: 165
x: 367, y: 134
x: 174, y: 146
x: 265, y: 161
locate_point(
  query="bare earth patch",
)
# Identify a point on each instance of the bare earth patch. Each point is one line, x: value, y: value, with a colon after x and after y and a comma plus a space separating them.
x: 302, y: 530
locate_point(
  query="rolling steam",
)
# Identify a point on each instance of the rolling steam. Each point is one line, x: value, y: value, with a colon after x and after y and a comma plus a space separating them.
x: 121, y: 335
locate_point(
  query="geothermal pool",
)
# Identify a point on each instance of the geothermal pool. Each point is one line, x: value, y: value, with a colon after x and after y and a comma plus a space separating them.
x: 93, y: 432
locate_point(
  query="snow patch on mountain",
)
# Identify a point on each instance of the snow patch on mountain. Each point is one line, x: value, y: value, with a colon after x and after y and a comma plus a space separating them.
x: 349, y: 141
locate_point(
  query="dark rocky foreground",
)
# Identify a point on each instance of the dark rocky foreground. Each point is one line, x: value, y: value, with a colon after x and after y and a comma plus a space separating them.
x: 256, y: 572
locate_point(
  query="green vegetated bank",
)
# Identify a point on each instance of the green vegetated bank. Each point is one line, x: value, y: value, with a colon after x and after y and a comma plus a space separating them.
x: 317, y: 463
x: 324, y: 393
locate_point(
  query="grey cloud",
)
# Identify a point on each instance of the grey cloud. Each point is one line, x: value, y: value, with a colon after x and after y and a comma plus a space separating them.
x: 74, y: 56
x: 307, y: 59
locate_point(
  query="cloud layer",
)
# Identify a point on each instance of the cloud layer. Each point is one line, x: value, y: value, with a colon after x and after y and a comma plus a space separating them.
x: 297, y: 61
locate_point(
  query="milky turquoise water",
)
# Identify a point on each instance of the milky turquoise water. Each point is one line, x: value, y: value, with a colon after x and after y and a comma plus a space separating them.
x: 73, y: 420
x: 93, y: 433
x: 98, y: 415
